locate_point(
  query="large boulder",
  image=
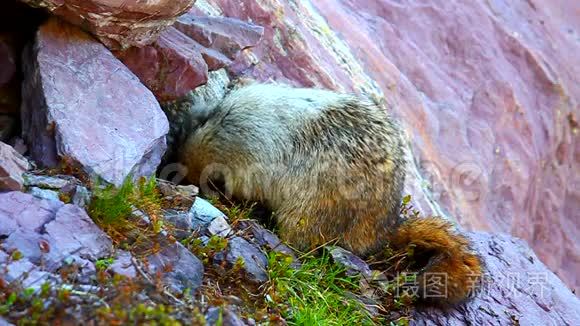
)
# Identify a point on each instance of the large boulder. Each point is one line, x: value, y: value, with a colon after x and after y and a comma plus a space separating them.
x: 83, y: 104
x: 488, y: 93
x: 180, y: 59
x: 118, y: 24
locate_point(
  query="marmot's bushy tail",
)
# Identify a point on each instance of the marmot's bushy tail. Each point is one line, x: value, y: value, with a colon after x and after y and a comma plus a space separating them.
x: 450, y: 271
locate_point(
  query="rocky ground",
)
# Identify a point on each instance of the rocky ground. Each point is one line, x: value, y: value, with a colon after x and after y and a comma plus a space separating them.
x: 84, y: 102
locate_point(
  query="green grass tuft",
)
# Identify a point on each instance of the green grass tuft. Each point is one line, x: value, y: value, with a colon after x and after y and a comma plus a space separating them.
x: 317, y: 293
x: 111, y: 205
x: 117, y: 211
x: 104, y: 263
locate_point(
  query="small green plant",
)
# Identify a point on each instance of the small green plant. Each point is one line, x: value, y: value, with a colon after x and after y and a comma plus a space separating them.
x: 112, y: 205
x: 316, y: 293
x: 140, y: 314
x: 104, y: 263
x: 31, y: 309
x: 5, y: 307
x: 117, y: 211
x: 407, y: 209
x: 16, y: 255
x: 205, y: 252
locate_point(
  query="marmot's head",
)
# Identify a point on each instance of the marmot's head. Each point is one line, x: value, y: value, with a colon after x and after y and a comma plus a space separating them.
x: 193, y: 110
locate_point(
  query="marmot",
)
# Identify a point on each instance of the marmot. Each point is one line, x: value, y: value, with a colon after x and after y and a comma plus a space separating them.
x: 330, y: 166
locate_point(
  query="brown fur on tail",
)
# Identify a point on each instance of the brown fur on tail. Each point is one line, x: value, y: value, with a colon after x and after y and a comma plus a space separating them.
x: 450, y: 271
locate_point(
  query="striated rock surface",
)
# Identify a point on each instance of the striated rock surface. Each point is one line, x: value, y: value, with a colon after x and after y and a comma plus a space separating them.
x: 264, y: 238
x: 290, y: 50
x: 181, y: 58
x: 118, y: 24
x: 170, y: 67
x: 48, y: 234
x: 488, y: 93
x: 352, y: 264
x: 518, y: 290
x: 12, y: 166
x: 82, y: 103
x: 226, y: 35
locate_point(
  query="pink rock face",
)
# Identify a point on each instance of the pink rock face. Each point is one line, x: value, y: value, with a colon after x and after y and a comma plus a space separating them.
x: 181, y: 58
x: 82, y: 103
x: 289, y: 50
x: 118, y: 23
x: 487, y: 91
x: 170, y: 67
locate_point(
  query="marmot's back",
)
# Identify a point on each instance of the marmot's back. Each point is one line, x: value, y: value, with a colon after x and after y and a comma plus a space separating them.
x: 329, y: 165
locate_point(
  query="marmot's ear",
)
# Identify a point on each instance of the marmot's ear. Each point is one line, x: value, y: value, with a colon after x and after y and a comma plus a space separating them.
x: 372, y: 97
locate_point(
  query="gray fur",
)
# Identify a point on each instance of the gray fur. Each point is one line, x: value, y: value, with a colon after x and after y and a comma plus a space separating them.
x: 330, y: 166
